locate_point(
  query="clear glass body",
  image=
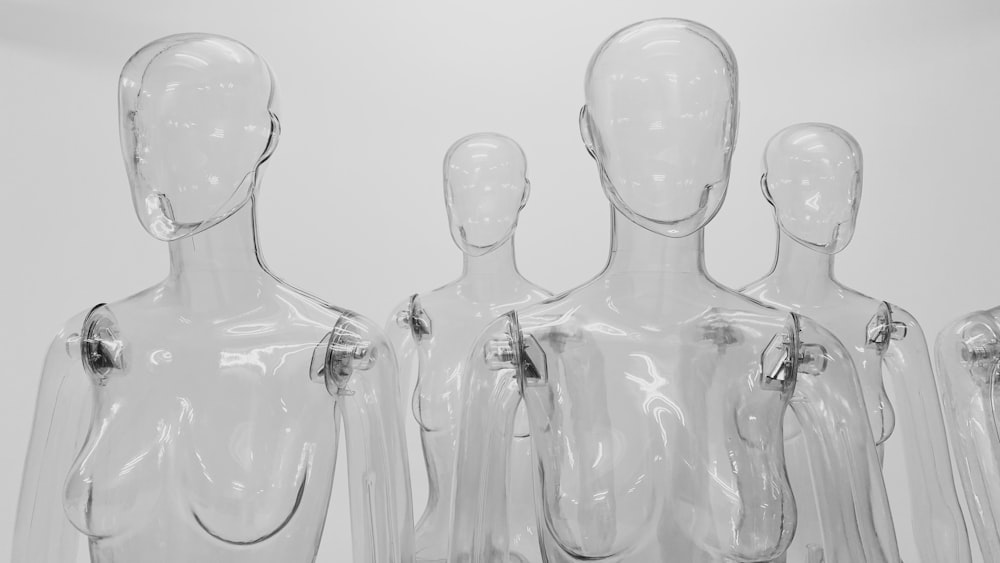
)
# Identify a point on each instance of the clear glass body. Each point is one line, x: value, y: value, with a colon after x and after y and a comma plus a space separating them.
x: 655, y: 396
x: 968, y: 360
x: 813, y: 178
x: 485, y: 188
x: 198, y: 420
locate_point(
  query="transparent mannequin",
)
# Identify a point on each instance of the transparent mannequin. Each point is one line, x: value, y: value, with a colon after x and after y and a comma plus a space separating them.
x: 968, y: 360
x: 812, y: 177
x: 197, y: 421
x: 655, y: 396
x: 485, y: 188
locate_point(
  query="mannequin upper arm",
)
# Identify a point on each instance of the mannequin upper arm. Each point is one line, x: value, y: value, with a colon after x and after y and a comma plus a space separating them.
x: 43, y: 532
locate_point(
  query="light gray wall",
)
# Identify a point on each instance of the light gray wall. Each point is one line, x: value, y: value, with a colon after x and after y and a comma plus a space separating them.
x: 374, y: 92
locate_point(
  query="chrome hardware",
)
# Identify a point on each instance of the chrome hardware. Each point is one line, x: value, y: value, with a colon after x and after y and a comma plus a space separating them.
x: 339, y: 355
x: 415, y: 318
x: 785, y: 357
x: 102, y: 351
x: 881, y: 329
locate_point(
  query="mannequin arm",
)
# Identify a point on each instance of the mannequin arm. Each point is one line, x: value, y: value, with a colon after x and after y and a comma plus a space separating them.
x: 381, y: 512
x: 486, y: 428
x: 846, y: 473
x: 940, y: 528
x: 758, y: 463
x: 43, y: 533
x: 967, y: 400
x: 401, y: 340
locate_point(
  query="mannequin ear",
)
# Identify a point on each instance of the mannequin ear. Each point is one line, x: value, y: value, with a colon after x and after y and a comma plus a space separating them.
x: 585, y: 133
x: 858, y: 184
x: 736, y: 123
x: 765, y: 190
x: 527, y: 192
x: 272, y: 139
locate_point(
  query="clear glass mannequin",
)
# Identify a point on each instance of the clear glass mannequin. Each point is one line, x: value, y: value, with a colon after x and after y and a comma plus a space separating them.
x: 655, y: 396
x: 812, y: 177
x: 197, y: 421
x: 485, y: 188
x: 968, y: 360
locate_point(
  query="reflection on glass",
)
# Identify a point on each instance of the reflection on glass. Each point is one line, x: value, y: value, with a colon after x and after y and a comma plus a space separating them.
x: 655, y: 396
x: 485, y: 188
x: 812, y: 178
x: 968, y: 360
x: 198, y: 420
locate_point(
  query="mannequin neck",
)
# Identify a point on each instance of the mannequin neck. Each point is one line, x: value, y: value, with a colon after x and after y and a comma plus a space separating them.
x: 802, y: 272
x: 220, y: 265
x: 498, y: 262
x: 491, y: 273
x: 635, y: 249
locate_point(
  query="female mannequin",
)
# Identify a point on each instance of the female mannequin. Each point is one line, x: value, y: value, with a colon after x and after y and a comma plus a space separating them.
x: 656, y: 396
x: 968, y: 360
x: 197, y: 421
x: 812, y: 177
x: 485, y: 188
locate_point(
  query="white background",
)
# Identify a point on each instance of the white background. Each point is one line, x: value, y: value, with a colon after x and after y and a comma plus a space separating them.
x: 374, y: 92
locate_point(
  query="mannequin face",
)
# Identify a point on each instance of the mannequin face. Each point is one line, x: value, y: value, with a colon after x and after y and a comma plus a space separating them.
x: 660, y: 120
x: 197, y: 123
x: 812, y: 177
x: 485, y: 188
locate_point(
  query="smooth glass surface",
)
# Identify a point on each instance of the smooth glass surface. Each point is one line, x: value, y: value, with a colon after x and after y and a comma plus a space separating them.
x: 485, y: 187
x: 656, y: 396
x: 813, y: 178
x: 968, y: 361
x: 198, y: 420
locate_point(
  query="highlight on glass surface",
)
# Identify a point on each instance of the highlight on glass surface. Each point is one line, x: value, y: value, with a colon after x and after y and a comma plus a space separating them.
x: 198, y: 419
x: 485, y: 189
x: 813, y: 178
x: 655, y: 396
x: 968, y: 361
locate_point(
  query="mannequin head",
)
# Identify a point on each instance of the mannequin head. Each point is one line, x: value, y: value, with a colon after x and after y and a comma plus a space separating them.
x: 660, y: 120
x: 198, y: 119
x: 485, y: 188
x: 812, y: 177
